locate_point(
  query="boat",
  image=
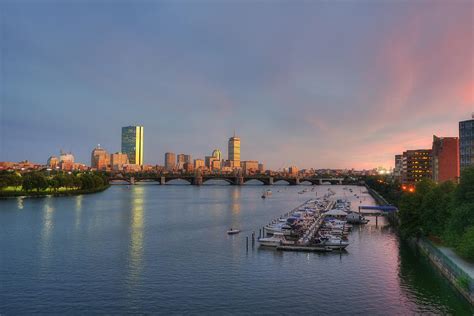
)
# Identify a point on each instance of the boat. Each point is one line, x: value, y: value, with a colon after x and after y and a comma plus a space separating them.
x: 276, y: 240
x: 266, y: 194
x: 332, y: 242
x: 233, y: 231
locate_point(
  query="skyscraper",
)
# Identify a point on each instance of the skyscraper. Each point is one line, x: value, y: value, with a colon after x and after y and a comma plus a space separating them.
x: 170, y: 161
x: 180, y: 161
x: 445, y: 158
x: 132, y: 143
x: 234, y: 152
x: 100, y: 159
x: 466, y: 143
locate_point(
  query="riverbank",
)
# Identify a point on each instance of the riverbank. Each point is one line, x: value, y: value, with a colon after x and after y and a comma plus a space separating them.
x: 33, y: 194
x: 456, y: 273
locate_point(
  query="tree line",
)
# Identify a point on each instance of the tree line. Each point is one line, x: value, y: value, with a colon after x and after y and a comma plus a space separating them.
x: 40, y: 181
x: 442, y: 212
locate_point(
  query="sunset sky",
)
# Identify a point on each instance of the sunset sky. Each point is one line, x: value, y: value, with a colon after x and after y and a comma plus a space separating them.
x: 314, y: 84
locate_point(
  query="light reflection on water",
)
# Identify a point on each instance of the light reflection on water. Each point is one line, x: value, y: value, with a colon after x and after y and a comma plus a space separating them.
x: 164, y: 249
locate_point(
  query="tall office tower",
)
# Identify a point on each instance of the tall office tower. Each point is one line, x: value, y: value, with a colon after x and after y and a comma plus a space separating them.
x: 188, y: 159
x: 445, y: 158
x: 418, y: 165
x: 170, y: 161
x: 100, y: 159
x: 180, y: 161
x: 132, y: 144
x: 466, y: 143
x: 234, y: 152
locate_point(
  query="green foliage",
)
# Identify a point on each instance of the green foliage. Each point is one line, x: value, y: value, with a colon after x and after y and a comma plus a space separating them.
x: 445, y: 211
x: 465, y: 247
x: 463, y: 282
x: 41, y: 181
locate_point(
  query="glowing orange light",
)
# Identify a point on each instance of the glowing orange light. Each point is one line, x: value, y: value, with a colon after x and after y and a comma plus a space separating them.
x: 411, y: 190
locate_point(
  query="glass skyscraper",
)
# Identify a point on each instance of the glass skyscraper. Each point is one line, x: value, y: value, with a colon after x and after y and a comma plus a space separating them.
x: 466, y: 143
x: 132, y: 143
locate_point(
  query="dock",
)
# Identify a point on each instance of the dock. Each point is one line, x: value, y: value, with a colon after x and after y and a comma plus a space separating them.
x: 304, y: 248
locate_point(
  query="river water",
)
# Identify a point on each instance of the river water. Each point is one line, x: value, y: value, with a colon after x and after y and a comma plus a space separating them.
x: 164, y: 249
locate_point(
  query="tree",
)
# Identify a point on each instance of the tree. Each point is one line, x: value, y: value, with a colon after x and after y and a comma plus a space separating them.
x: 465, y: 246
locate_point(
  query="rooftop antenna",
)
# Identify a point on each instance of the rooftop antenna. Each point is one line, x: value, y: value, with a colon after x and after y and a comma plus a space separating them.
x: 234, y: 128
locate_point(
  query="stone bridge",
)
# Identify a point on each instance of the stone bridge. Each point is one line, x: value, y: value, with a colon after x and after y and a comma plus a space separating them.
x: 230, y: 178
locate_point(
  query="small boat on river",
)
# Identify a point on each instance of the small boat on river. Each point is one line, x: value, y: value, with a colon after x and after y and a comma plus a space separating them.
x: 233, y: 231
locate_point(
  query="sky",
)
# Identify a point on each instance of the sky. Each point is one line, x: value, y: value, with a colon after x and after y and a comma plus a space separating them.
x: 322, y: 84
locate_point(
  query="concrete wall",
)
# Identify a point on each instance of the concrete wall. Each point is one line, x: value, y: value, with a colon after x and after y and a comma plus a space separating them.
x: 448, y: 268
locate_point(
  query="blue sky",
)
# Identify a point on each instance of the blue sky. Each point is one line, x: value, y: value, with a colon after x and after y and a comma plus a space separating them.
x: 308, y: 83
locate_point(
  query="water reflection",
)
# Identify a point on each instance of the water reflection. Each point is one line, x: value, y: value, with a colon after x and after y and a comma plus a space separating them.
x: 235, y: 207
x: 20, y: 203
x: 46, y: 229
x: 78, y: 211
x: 136, y: 234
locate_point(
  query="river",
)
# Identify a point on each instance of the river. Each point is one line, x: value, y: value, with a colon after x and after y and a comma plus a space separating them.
x: 164, y: 250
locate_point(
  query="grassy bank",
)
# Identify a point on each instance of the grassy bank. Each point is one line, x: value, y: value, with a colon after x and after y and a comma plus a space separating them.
x: 5, y: 194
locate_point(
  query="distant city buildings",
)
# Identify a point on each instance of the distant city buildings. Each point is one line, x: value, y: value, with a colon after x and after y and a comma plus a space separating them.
x: 170, y: 161
x: 233, y: 147
x: 199, y: 164
x: 466, y: 143
x: 118, y: 160
x: 100, y: 159
x: 445, y: 158
x: 249, y: 166
x: 53, y: 162
x: 132, y: 144
x: 66, y: 161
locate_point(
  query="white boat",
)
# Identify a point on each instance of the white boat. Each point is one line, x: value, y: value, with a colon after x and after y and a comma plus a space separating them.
x: 233, y: 231
x: 332, y: 242
x: 276, y: 240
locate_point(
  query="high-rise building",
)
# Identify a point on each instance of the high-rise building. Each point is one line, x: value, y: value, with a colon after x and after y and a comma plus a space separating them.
x: 234, y: 152
x: 188, y: 159
x: 180, y: 161
x: 199, y: 163
x: 66, y: 161
x: 466, y: 143
x: 170, y: 161
x: 100, y: 159
x: 293, y: 170
x: 398, y: 169
x: 445, y: 158
x: 132, y: 144
x: 118, y: 160
x: 53, y: 162
x: 417, y: 165
x: 217, y: 154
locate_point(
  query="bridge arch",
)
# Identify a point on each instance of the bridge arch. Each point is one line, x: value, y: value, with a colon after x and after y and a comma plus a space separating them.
x: 281, y: 181
x: 229, y: 181
x: 175, y: 180
x: 256, y: 181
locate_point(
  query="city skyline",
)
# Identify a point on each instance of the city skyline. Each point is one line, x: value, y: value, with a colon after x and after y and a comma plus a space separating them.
x: 363, y: 78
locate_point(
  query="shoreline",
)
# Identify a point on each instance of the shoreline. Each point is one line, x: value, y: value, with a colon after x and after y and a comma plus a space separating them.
x: 23, y: 194
x: 452, y: 272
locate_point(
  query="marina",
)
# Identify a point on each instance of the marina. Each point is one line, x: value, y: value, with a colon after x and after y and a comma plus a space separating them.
x: 321, y: 224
